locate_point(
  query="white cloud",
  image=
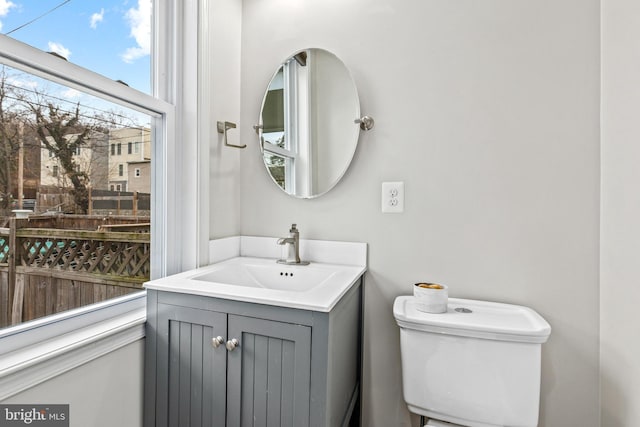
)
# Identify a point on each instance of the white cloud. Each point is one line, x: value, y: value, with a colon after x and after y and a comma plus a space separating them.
x: 139, y: 20
x: 71, y: 94
x: 59, y: 49
x: 95, y: 18
x: 28, y: 84
x: 5, y: 6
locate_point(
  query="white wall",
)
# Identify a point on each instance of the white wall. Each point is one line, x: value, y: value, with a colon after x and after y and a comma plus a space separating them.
x: 220, y: 76
x: 620, y: 233
x: 105, y: 392
x: 488, y: 111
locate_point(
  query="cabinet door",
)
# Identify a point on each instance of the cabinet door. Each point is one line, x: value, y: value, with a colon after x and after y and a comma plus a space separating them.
x: 191, y: 372
x: 268, y: 377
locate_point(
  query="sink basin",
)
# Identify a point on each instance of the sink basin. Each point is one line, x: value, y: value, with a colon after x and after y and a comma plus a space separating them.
x: 317, y: 286
x: 273, y: 276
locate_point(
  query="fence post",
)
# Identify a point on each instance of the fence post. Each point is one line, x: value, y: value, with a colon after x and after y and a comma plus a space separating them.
x: 11, y: 259
x: 18, y: 300
x: 90, y: 210
x: 135, y: 203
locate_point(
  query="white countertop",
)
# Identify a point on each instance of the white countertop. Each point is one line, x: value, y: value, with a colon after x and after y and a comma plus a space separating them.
x: 238, y: 254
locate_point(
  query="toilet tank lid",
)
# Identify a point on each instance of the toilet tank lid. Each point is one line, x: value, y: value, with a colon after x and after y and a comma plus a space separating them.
x: 479, y: 319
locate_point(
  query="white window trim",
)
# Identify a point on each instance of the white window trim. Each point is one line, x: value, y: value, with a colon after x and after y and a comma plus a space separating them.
x: 35, y: 351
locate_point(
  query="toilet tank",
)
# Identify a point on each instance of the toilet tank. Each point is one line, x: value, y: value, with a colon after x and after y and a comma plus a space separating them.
x: 477, y: 365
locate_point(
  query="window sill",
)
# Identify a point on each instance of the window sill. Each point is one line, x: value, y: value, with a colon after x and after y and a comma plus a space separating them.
x: 26, y: 367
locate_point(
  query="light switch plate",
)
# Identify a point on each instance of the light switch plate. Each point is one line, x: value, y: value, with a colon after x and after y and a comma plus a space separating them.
x: 393, y: 197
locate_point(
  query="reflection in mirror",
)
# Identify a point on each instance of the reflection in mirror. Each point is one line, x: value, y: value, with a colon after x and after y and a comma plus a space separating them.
x: 307, y: 130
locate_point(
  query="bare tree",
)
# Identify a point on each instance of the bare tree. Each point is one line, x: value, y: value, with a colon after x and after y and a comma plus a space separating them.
x: 9, y: 142
x: 54, y: 126
x: 65, y: 131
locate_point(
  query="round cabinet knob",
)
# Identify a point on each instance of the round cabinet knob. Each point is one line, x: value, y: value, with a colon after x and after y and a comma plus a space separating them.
x: 215, y: 342
x: 232, y: 344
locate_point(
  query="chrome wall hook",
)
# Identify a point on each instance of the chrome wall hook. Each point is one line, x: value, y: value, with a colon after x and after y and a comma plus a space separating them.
x: 366, y: 122
x: 223, y: 127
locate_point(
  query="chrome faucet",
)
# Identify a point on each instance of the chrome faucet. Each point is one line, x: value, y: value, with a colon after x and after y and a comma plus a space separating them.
x: 293, y: 247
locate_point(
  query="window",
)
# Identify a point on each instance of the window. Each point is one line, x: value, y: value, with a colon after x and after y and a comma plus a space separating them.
x: 77, y: 132
x: 129, y: 148
x: 137, y: 172
x: 45, y: 92
x: 119, y: 187
x: 112, y: 187
x: 281, y: 150
x: 113, y: 149
x: 136, y: 147
x: 94, y: 35
x: 103, y: 320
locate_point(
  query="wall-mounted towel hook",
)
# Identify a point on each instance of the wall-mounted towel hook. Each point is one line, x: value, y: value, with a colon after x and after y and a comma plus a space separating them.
x: 223, y: 127
x: 366, y: 122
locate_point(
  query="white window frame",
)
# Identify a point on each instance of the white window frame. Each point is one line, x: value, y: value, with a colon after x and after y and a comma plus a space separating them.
x: 35, y: 351
x: 298, y: 172
x: 290, y: 150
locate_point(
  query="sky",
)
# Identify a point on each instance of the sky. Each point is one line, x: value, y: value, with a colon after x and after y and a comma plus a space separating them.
x: 111, y: 37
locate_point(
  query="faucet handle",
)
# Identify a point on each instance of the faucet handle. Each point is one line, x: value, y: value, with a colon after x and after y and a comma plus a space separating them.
x: 294, y: 228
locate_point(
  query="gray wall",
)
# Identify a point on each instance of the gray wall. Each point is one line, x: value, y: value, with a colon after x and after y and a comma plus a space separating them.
x: 620, y: 234
x: 105, y: 392
x: 220, y: 24
x: 489, y: 112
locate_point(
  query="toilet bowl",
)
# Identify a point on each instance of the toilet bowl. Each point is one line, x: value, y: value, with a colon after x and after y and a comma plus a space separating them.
x: 477, y: 365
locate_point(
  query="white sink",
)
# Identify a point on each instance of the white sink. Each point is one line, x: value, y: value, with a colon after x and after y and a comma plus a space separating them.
x: 257, y: 274
x: 317, y: 286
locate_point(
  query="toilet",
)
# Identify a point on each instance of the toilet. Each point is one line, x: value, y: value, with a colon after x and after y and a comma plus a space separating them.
x: 476, y: 365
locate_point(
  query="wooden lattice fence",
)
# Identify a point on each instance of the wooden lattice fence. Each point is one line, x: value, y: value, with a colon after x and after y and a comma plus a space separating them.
x: 45, y: 271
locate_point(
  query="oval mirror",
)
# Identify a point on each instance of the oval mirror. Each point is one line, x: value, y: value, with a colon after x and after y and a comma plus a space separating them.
x: 307, y: 129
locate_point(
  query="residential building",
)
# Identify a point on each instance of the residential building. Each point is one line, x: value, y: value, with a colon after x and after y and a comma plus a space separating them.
x: 139, y: 177
x: 127, y: 145
x: 90, y: 158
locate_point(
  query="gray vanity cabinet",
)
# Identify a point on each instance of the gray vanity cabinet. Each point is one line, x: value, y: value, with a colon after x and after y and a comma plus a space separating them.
x: 192, y: 388
x: 269, y: 378
x: 291, y: 367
